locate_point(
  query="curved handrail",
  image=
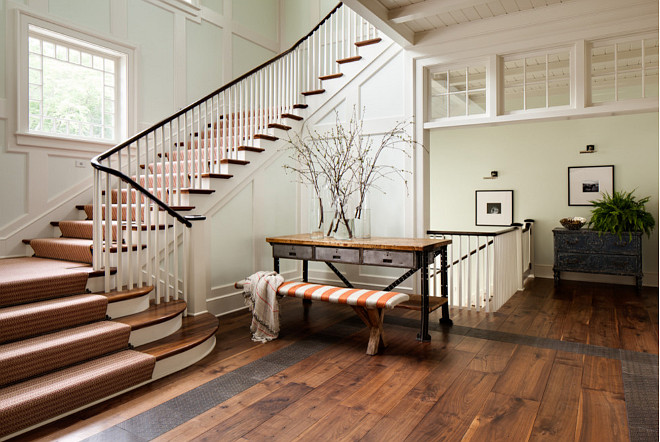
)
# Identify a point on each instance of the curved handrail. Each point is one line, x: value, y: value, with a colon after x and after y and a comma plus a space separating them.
x: 174, y: 116
x: 450, y: 232
x: 96, y: 161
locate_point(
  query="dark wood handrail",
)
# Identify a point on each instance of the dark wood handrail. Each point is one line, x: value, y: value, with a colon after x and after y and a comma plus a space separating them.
x: 140, y: 135
x: 457, y: 232
x: 96, y: 161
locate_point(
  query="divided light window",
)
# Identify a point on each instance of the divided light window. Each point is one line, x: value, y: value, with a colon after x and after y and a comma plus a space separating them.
x: 73, y: 87
x: 458, y: 92
x: 537, y: 82
x: 624, y: 70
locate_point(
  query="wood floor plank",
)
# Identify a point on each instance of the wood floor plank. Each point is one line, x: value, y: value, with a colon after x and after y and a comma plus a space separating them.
x: 548, y: 322
x: 527, y: 373
x: 401, y: 420
x: 557, y: 416
x: 576, y: 323
x: 243, y: 422
x: 493, y: 357
x: 636, y: 329
x: 602, y: 417
x: 503, y: 417
x: 456, y: 408
x: 602, y: 374
x: 341, y: 423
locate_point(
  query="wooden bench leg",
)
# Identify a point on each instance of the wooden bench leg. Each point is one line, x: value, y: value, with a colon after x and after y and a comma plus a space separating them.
x: 373, y: 318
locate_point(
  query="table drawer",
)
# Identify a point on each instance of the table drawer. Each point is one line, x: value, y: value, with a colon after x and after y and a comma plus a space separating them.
x: 338, y: 254
x: 292, y: 252
x: 388, y: 258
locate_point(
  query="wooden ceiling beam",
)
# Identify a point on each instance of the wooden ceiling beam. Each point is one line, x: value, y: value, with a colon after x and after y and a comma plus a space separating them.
x: 427, y: 8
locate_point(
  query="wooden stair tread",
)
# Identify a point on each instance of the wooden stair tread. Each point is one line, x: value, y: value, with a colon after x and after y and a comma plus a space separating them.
x: 265, y: 137
x: 251, y: 149
x: 300, y: 106
x: 349, y: 59
x: 182, y: 208
x: 233, y: 161
x: 155, y: 314
x: 190, y: 191
x: 278, y: 126
x: 415, y: 303
x: 194, y: 330
x: 368, y: 42
x: 331, y: 76
x: 122, y: 295
x: 313, y: 92
x: 292, y: 116
x: 223, y: 176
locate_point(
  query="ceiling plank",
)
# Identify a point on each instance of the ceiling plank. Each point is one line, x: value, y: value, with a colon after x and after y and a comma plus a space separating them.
x: 377, y: 14
x: 419, y: 10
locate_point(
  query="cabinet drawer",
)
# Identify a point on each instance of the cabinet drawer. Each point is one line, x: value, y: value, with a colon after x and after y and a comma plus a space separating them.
x: 612, y: 244
x: 572, y: 242
x: 388, y: 258
x: 598, y: 263
x: 292, y: 252
x: 349, y: 256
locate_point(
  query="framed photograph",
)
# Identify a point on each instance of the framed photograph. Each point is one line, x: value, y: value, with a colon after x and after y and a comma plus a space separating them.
x: 588, y: 183
x: 494, y: 207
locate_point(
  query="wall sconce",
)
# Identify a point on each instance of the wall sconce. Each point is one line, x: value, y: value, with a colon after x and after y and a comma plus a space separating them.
x: 591, y: 148
x: 493, y: 175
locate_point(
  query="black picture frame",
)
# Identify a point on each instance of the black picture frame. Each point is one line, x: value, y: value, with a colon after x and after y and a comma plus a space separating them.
x: 493, y: 207
x: 588, y: 183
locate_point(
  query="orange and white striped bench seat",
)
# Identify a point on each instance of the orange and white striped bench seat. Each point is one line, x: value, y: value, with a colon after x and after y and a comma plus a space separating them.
x: 369, y: 299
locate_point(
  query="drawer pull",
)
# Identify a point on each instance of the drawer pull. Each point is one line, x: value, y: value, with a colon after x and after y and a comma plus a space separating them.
x: 387, y: 260
x: 336, y: 257
x: 572, y: 241
x: 292, y: 253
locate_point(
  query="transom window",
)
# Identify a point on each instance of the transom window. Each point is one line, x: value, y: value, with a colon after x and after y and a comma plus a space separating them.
x: 624, y: 70
x: 537, y: 82
x: 72, y: 87
x: 458, y: 92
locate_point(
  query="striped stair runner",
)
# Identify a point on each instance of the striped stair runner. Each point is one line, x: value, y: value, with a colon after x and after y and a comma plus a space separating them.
x: 24, y: 321
x: 30, y: 279
x: 69, y: 249
x: 31, y: 402
x: 31, y: 357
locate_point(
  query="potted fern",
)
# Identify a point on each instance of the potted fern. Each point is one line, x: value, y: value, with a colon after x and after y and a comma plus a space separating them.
x: 621, y: 213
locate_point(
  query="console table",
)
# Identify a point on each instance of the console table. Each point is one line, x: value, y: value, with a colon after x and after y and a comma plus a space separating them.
x: 588, y: 252
x: 409, y: 253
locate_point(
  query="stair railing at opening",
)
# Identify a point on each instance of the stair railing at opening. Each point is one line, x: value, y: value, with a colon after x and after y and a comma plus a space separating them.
x: 180, y: 155
x: 484, y: 269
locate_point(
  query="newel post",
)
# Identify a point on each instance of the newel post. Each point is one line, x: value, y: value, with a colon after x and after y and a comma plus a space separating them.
x: 197, y: 268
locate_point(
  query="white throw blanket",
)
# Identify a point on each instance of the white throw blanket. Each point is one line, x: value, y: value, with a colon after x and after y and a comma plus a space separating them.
x: 261, y: 297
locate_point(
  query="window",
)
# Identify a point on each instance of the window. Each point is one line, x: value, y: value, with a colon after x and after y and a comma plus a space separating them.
x: 73, y: 87
x: 537, y: 82
x: 458, y: 92
x: 624, y: 70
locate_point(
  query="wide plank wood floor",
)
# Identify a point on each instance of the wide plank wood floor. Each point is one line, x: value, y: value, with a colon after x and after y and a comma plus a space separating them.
x: 457, y: 387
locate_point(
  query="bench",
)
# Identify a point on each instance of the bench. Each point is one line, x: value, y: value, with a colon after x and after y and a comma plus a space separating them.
x: 369, y: 305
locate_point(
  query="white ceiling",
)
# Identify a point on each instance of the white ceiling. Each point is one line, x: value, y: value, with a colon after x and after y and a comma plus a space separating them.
x: 411, y: 19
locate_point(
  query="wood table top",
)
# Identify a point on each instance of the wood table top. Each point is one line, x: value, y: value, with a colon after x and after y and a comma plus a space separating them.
x: 385, y: 243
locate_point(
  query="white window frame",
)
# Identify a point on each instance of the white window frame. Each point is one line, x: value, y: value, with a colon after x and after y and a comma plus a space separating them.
x: 609, y: 42
x: 539, y: 53
x: 126, y: 85
x: 463, y: 65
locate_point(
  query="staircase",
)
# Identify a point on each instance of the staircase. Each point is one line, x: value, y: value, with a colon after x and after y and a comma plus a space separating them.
x: 109, y: 304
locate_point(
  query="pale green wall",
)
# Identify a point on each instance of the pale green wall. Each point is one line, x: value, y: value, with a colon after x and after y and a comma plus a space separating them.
x: 152, y: 30
x: 13, y: 176
x: 203, y: 49
x: 91, y: 14
x: 247, y: 56
x: 300, y: 16
x: 259, y: 15
x: 532, y: 159
x: 215, y: 5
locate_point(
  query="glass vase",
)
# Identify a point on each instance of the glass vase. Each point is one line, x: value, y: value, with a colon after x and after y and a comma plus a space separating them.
x: 362, y: 225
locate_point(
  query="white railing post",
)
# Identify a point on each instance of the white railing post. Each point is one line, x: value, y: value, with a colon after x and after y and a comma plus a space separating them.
x: 198, y: 267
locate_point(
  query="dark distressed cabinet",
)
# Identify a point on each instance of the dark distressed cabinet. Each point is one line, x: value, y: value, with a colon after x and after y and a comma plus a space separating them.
x: 588, y: 252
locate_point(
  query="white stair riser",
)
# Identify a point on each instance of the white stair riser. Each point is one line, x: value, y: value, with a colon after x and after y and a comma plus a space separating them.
x: 182, y: 360
x: 128, y: 307
x: 155, y: 332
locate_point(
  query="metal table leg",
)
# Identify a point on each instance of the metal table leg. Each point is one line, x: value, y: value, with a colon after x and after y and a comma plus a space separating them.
x: 423, y: 334
x: 444, y: 287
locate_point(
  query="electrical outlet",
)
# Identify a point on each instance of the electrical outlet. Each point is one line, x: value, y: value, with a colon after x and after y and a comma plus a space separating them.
x: 80, y: 163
